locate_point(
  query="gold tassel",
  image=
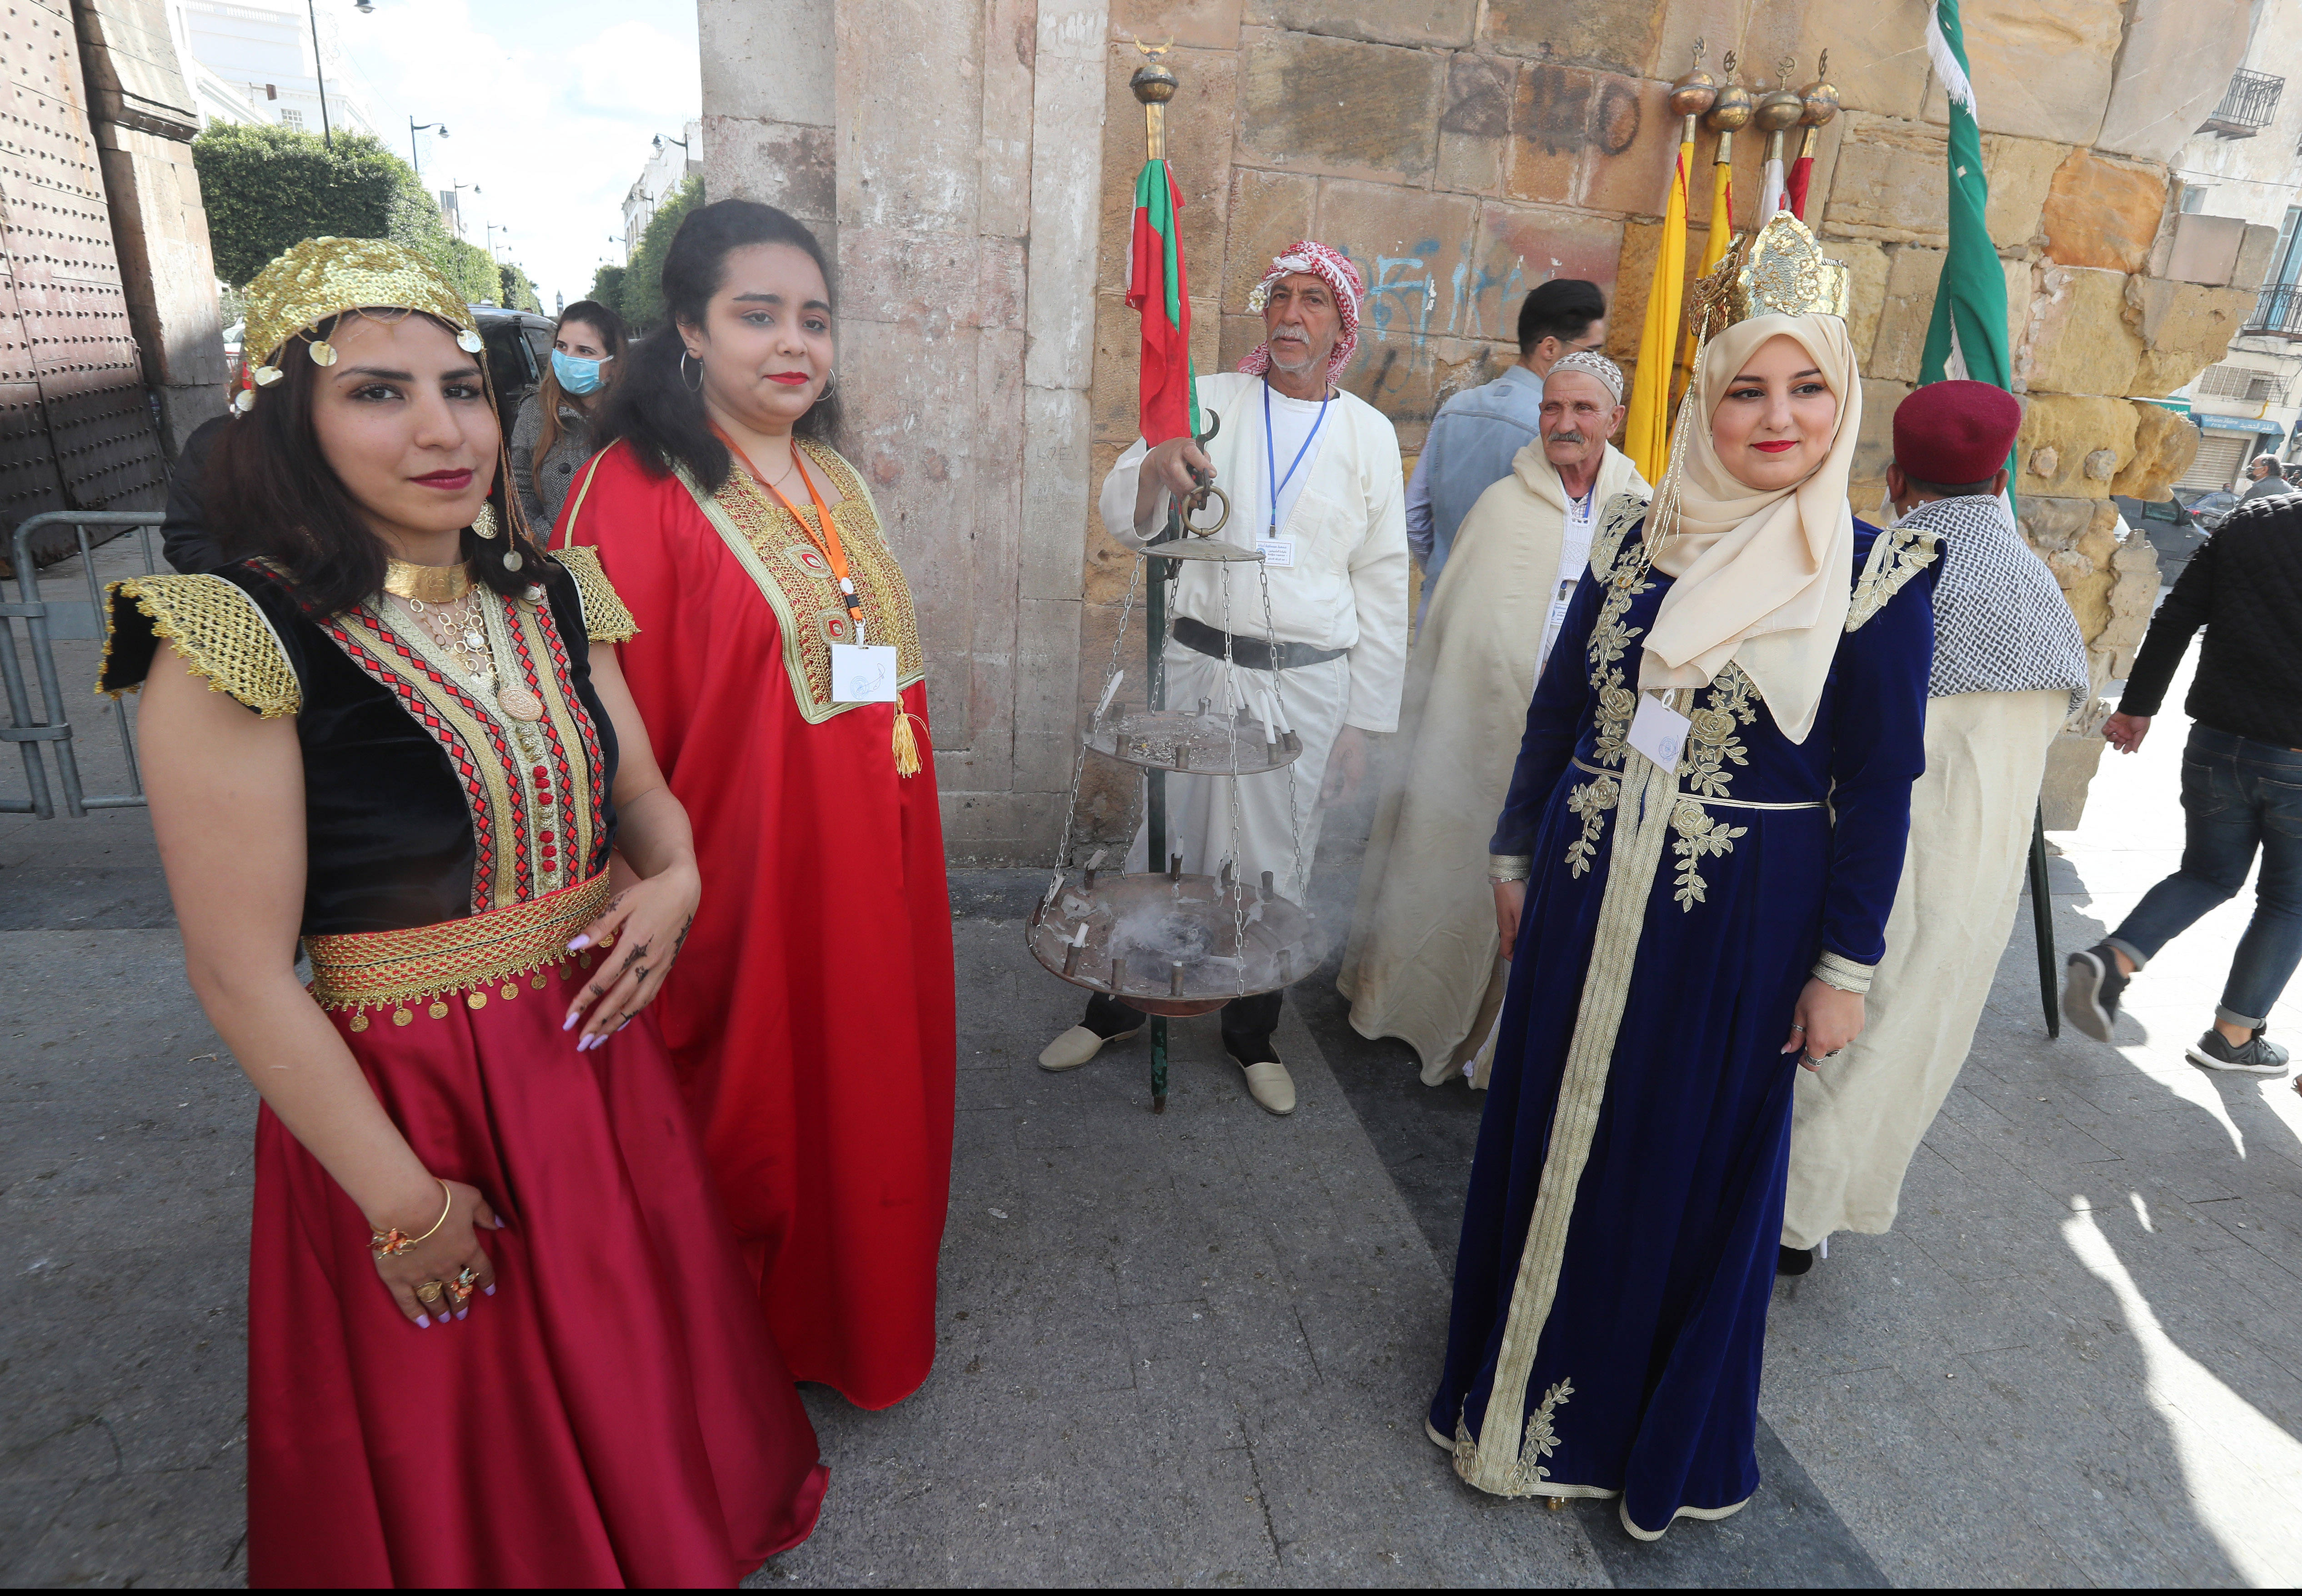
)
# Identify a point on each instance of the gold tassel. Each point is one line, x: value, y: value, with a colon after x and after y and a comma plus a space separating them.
x: 907, y: 743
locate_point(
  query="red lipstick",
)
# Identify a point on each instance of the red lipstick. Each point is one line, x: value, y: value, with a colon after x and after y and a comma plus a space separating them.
x: 446, y: 481
x: 1777, y: 445
x: 789, y: 379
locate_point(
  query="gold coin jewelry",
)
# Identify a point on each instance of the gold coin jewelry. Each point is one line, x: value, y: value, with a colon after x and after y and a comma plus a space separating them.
x: 431, y: 1292
x: 519, y: 703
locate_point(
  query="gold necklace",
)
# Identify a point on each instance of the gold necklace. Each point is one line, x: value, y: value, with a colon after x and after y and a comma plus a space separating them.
x: 432, y: 584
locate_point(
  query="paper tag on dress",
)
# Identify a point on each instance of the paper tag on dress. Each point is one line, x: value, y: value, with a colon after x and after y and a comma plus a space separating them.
x: 1276, y: 551
x: 1659, y: 732
x: 864, y: 673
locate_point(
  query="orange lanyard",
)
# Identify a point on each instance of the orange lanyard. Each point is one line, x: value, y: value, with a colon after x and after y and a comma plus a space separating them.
x: 827, y: 541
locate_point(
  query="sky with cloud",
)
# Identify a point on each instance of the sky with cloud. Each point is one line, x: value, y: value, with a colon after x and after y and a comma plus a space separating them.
x: 548, y: 109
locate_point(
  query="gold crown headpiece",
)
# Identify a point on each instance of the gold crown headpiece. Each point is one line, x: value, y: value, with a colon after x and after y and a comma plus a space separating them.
x: 1778, y: 270
x: 322, y: 278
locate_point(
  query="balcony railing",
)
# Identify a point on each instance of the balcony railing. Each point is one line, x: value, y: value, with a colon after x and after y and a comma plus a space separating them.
x: 2278, y: 309
x: 2248, y: 105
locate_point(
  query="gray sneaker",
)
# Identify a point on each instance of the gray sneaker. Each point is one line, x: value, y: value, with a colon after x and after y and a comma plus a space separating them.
x: 2255, y: 1056
x: 2091, y: 989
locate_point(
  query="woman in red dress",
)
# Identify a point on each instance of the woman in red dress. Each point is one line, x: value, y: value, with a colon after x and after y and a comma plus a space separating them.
x: 777, y: 665
x: 498, y: 1332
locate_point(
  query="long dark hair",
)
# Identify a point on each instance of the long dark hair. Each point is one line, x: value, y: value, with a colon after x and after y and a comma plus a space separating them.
x: 270, y: 494
x: 652, y: 408
x: 549, y: 395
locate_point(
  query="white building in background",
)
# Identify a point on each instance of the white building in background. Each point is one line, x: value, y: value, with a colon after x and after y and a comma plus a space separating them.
x: 2243, y: 164
x: 254, y: 61
x: 670, y: 163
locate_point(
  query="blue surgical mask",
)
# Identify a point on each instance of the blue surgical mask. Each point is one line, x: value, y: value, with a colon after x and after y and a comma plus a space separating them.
x: 577, y: 376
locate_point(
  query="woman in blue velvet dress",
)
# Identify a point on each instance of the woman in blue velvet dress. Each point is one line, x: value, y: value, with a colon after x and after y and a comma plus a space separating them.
x: 1686, y: 930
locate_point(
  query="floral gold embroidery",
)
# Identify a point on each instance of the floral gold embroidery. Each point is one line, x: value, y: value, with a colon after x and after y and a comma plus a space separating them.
x: 1899, y: 554
x: 1591, y: 800
x: 1624, y: 571
x: 1526, y: 1476
x: 1712, y: 743
x: 1699, y: 835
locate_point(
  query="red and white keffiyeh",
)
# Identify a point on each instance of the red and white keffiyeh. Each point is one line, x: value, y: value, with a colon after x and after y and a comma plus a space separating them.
x: 1335, y: 268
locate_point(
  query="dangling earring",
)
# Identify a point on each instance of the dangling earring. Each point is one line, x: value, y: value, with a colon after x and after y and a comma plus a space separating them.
x: 513, y: 558
x: 483, y: 524
x: 696, y: 387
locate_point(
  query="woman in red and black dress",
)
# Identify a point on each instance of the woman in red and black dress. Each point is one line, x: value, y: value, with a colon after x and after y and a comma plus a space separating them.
x: 499, y: 1333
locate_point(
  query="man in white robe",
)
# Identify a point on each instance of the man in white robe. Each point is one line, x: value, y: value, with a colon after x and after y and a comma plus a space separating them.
x: 1315, y: 480
x: 2008, y: 669
x: 1425, y: 962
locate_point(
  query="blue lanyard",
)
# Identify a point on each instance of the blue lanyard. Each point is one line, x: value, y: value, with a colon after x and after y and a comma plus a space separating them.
x: 1271, y: 454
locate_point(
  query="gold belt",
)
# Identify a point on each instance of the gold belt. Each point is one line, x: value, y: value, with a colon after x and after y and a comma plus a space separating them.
x: 381, y: 969
x: 1722, y: 802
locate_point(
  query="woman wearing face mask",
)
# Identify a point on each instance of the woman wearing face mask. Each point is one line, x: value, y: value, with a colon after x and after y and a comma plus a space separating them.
x: 552, y: 437
x: 497, y: 1332
x: 1702, y: 841
x: 778, y: 664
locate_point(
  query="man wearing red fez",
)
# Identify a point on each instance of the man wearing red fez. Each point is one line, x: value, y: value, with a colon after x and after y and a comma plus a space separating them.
x: 2008, y: 669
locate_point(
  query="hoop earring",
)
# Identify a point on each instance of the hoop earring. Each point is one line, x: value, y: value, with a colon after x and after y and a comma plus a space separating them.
x: 696, y: 387
x: 827, y: 377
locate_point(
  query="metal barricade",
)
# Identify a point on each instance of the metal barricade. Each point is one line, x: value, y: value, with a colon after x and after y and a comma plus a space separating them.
x: 44, y: 622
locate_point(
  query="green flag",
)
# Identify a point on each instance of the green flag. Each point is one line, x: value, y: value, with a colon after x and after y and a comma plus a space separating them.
x: 1968, y: 334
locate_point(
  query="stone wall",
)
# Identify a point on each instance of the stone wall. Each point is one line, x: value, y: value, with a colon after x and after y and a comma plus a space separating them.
x: 1463, y: 151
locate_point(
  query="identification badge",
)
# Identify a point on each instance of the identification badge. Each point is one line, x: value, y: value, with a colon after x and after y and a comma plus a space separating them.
x: 865, y: 674
x: 1659, y: 732
x: 1276, y: 551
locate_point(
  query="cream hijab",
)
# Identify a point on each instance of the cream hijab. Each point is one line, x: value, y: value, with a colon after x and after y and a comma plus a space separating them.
x: 1760, y: 578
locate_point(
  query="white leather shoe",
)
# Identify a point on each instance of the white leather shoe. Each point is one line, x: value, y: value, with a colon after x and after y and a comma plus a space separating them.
x: 1270, y: 1085
x: 1074, y: 1048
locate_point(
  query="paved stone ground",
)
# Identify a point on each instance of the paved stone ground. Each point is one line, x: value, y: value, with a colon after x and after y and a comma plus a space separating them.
x: 1195, y: 1349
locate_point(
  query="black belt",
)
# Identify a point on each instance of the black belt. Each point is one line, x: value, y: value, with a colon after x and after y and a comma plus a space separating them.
x: 1253, y: 653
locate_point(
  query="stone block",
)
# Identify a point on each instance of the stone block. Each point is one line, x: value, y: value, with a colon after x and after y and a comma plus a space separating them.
x: 2060, y: 432
x: 1619, y: 35
x: 1269, y: 211
x: 1866, y: 269
x: 1870, y: 42
x: 2041, y: 68
x: 2103, y: 212
x: 1413, y: 251
x: 785, y: 164
x: 1633, y: 281
x: 1551, y: 116
x: 1913, y: 273
x: 1874, y: 447
x: 1445, y: 23
x: 2175, y: 67
x: 1198, y: 152
x: 1338, y: 107
x: 2184, y: 329
x: 1406, y: 384
x: 1718, y: 23
x: 1889, y: 183
x: 1474, y: 128
x: 1522, y: 245
x: 930, y: 283
x: 2164, y: 445
x: 2022, y: 170
x: 2200, y: 249
x: 1205, y: 24
x: 2254, y: 258
x: 2070, y: 764
x: 738, y: 36
x: 1630, y: 147
x: 2078, y: 340
x: 2021, y: 287
x: 1115, y: 402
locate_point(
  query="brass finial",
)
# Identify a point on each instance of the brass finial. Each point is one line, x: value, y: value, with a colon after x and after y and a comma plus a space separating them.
x: 1694, y: 93
x: 1154, y: 85
x: 1819, y: 96
x: 1780, y: 108
x: 1731, y: 110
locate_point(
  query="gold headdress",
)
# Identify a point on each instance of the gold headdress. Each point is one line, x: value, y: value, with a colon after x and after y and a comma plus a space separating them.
x: 322, y: 278
x: 1778, y: 270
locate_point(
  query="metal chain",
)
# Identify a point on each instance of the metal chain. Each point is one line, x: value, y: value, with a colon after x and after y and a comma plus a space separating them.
x: 1078, y: 759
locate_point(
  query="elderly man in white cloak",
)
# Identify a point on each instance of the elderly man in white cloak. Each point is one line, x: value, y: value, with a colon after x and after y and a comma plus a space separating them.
x: 1424, y: 961
x: 1315, y: 480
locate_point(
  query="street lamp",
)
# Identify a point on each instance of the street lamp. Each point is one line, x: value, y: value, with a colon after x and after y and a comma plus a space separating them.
x: 320, y: 74
x: 414, y: 128
x: 493, y: 229
x: 660, y: 141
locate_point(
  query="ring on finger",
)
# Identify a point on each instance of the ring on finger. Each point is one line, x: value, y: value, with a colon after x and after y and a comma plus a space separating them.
x: 429, y: 1291
x: 464, y: 1285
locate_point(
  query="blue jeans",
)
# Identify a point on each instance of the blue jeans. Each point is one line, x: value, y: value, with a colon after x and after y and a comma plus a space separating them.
x: 2237, y: 795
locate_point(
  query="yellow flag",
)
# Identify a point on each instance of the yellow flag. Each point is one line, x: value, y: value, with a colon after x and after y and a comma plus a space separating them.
x: 1646, y: 435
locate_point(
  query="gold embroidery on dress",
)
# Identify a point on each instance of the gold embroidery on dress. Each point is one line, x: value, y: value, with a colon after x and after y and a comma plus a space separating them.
x: 394, y: 969
x: 605, y: 618
x: 1625, y: 576
x: 1712, y: 745
x: 220, y: 631
x: 1528, y: 1475
x: 1899, y: 553
x: 1698, y: 835
x: 796, y: 580
x: 1591, y: 800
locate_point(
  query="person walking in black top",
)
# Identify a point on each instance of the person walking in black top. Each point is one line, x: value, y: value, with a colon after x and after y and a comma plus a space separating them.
x: 2241, y: 782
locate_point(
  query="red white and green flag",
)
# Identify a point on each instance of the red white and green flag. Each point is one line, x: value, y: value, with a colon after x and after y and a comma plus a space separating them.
x: 1967, y: 337
x: 1158, y: 286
